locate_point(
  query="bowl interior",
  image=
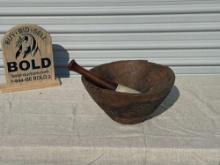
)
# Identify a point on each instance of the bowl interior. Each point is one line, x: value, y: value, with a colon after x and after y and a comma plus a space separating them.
x: 138, y: 74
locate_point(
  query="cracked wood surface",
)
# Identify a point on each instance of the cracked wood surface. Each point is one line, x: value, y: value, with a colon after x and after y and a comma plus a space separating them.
x: 63, y: 125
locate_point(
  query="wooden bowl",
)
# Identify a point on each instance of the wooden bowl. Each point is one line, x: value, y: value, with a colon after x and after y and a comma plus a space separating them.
x: 153, y: 80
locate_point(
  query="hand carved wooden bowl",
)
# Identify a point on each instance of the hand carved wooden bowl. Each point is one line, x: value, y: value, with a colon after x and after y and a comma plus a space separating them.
x: 153, y: 80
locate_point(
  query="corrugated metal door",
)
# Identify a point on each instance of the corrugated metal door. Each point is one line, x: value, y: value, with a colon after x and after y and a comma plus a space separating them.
x: 184, y: 34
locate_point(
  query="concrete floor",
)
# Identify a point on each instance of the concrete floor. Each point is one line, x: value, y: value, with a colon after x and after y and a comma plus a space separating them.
x: 63, y: 125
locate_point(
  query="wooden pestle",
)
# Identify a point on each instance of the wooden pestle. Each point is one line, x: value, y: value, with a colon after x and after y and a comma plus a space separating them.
x: 98, y: 80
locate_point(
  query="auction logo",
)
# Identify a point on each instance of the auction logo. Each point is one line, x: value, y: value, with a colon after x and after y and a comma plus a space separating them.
x: 26, y: 45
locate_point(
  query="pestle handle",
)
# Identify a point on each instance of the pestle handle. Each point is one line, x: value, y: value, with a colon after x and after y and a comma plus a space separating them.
x: 92, y: 77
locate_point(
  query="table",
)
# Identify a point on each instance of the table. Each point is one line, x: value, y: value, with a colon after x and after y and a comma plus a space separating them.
x: 63, y: 125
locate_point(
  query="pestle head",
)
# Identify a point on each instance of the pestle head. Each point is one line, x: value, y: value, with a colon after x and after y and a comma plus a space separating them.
x: 73, y: 65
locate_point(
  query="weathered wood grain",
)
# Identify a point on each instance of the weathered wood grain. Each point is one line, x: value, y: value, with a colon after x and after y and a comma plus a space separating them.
x: 153, y: 80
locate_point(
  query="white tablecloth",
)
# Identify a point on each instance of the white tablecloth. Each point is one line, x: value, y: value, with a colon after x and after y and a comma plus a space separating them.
x: 64, y: 126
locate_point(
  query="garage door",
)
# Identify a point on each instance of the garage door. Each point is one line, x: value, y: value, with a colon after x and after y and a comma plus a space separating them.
x: 184, y: 34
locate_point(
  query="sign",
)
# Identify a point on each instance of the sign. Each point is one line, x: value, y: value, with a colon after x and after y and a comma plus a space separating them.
x: 28, y: 58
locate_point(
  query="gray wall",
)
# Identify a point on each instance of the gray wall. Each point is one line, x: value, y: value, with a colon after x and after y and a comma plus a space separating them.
x: 184, y: 34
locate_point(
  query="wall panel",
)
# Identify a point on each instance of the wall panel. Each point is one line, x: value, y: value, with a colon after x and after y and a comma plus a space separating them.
x: 182, y: 34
